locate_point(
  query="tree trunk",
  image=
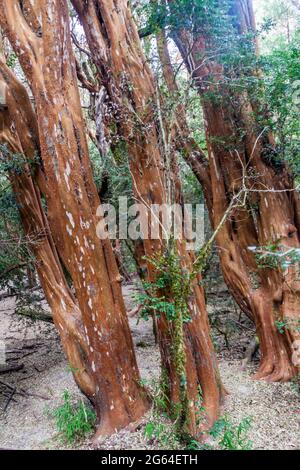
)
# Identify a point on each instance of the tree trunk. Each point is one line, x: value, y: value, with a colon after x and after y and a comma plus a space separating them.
x: 14, y: 122
x: 181, y: 136
x: 47, y: 60
x: 271, y: 213
x: 114, y: 44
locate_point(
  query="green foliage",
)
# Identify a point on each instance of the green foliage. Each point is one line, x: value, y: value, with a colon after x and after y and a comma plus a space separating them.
x: 199, y: 16
x: 191, y: 190
x: 117, y: 168
x: 11, y: 60
x: 288, y: 324
x: 120, y: 152
x: 231, y: 436
x: 192, y: 444
x: 14, y: 249
x: 280, y: 325
x: 73, y: 421
x: 159, y: 429
x: 169, y: 294
x: 228, y: 436
x: 164, y: 434
x: 282, y: 16
x: 171, y: 281
x: 14, y: 253
x: 275, y: 92
x: 152, y: 305
x: 281, y: 91
x: 214, y: 19
x: 152, y: 300
x: 15, y: 162
x: 276, y: 255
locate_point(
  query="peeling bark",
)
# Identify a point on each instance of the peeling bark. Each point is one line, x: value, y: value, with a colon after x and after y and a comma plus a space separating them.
x: 72, y: 200
x: 182, y: 139
x: 272, y: 214
x: 14, y: 122
x: 115, y: 47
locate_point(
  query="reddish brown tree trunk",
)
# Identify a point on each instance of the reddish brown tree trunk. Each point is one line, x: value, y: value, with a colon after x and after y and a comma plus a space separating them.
x: 181, y: 135
x: 47, y: 60
x: 114, y: 44
x: 17, y: 119
x: 271, y: 213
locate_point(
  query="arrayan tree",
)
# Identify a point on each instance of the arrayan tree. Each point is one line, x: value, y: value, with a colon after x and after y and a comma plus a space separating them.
x: 249, y: 190
x: 94, y: 328
x: 189, y: 370
x: 243, y: 161
x: 18, y: 119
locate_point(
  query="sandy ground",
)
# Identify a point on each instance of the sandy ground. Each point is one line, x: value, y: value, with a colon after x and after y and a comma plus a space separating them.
x: 27, y: 424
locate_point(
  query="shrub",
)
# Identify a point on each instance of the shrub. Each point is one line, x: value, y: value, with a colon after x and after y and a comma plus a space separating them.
x: 73, y: 421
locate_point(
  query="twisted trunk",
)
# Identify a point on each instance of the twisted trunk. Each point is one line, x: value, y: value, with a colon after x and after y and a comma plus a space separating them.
x: 49, y: 65
x: 114, y: 44
x: 68, y: 320
x: 241, y: 154
x: 181, y: 135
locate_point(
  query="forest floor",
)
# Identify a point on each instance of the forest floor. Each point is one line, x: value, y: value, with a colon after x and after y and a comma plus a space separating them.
x: 38, y: 387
